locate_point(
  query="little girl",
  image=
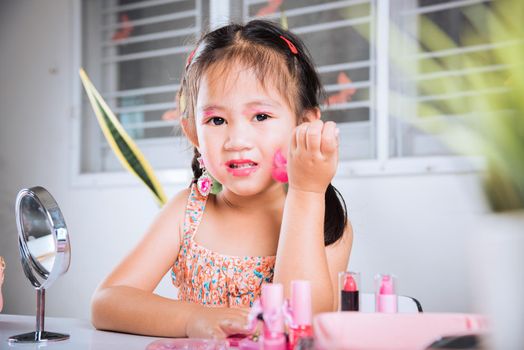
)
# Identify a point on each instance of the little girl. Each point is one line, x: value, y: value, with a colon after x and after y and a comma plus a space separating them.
x: 260, y: 208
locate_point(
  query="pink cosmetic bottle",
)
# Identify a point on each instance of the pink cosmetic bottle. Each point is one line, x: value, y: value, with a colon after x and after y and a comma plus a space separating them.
x: 272, y: 304
x: 301, y: 312
x: 385, y: 293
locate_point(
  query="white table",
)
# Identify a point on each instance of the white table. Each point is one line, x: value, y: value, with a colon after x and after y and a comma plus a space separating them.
x: 82, y: 334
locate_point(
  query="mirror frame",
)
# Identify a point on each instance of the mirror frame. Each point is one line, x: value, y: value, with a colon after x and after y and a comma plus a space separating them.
x: 57, y: 225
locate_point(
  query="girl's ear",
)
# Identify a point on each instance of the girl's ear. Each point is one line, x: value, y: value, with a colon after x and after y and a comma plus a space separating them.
x: 188, y: 127
x: 310, y: 115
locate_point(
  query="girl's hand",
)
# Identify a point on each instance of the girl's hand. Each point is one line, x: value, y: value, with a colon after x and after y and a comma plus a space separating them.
x: 313, y: 156
x: 217, y: 322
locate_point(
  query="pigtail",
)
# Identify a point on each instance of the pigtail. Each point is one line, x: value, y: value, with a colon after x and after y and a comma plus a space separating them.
x: 335, y: 217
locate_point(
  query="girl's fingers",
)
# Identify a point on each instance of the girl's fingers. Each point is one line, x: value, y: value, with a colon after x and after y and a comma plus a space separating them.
x: 329, y: 138
x: 234, y: 326
x: 294, y: 139
x: 301, y: 133
x: 218, y: 333
x: 314, y: 136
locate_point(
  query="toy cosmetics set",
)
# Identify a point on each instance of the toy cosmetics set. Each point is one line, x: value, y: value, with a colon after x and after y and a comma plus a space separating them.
x: 386, y: 299
x: 296, y: 313
x: 277, y: 313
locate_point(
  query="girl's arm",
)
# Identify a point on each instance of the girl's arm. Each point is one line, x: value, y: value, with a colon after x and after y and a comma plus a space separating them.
x: 301, y: 253
x: 125, y: 301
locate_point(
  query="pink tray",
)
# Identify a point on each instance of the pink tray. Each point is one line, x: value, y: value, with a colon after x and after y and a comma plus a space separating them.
x: 366, y: 331
x: 188, y: 344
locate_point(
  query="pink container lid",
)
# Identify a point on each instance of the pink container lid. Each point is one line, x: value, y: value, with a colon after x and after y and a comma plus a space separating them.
x: 272, y: 301
x: 301, y: 302
x: 272, y: 296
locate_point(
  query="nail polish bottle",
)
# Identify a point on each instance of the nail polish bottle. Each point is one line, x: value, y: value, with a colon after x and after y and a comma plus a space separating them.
x: 301, y: 312
x: 272, y: 300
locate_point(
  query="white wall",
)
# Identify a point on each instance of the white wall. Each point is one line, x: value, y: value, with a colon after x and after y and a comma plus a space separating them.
x: 414, y: 226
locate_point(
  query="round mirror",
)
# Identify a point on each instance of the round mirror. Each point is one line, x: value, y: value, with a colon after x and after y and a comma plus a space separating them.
x: 37, y: 234
x: 44, y: 249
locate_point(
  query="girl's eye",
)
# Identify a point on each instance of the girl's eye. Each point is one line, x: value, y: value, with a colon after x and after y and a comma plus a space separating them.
x: 262, y: 117
x: 216, y: 121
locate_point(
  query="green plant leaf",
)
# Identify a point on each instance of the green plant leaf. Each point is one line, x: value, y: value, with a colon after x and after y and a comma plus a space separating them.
x: 283, y: 20
x: 121, y: 143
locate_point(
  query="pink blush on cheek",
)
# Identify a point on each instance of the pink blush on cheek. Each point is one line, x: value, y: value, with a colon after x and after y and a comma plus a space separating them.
x: 279, y: 172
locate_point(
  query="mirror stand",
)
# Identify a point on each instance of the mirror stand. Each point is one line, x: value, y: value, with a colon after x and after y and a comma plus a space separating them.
x: 45, y: 253
x: 40, y: 335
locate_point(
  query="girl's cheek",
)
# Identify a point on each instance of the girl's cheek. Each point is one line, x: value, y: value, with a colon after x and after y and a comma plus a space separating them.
x: 279, y: 170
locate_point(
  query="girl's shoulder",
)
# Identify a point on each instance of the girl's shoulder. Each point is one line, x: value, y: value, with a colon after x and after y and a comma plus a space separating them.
x: 179, y: 201
x: 172, y: 213
x: 188, y: 199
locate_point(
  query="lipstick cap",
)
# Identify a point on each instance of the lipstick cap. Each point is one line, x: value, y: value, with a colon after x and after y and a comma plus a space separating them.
x: 301, y: 302
x: 385, y: 284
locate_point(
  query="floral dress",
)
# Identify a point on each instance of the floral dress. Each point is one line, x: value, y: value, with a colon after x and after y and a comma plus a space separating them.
x: 209, y: 278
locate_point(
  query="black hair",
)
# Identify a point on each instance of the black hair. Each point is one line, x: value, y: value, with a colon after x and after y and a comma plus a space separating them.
x: 263, y: 46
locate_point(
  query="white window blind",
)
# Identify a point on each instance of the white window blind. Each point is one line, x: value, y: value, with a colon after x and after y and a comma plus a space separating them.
x: 435, y: 67
x: 135, y: 52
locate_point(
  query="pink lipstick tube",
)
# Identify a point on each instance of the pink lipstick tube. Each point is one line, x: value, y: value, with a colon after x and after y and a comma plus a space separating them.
x: 386, y: 299
x: 272, y: 304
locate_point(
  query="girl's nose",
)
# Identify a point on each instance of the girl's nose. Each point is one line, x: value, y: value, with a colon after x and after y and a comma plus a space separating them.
x: 238, y: 139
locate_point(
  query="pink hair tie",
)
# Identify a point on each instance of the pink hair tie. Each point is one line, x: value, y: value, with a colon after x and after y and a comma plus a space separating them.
x: 290, y: 44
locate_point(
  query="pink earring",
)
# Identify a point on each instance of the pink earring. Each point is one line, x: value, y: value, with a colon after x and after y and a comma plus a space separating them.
x: 206, y: 183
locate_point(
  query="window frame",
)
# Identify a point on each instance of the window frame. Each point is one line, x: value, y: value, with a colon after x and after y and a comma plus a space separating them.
x: 382, y: 165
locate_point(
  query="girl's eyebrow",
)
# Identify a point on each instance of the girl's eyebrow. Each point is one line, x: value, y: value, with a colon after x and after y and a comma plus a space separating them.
x: 210, y: 109
x: 213, y: 107
x: 267, y: 103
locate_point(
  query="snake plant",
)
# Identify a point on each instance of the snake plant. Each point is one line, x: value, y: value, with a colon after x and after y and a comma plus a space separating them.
x: 121, y: 143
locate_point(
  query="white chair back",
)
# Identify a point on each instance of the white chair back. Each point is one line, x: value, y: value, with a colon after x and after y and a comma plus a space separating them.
x: 405, y: 304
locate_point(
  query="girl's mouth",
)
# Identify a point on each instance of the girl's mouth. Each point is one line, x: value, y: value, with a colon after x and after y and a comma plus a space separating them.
x: 241, y: 167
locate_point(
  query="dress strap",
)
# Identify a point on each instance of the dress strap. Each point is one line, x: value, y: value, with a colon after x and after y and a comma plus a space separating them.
x: 196, y: 204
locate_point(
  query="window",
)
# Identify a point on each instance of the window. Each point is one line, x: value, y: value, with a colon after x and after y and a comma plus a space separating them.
x: 135, y: 50
x: 422, y: 69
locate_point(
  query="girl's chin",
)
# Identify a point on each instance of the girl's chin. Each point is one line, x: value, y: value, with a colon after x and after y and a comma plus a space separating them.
x: 249, y: 188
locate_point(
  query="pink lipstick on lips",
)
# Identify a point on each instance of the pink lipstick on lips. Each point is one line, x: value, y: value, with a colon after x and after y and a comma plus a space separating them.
x: 241, y: 167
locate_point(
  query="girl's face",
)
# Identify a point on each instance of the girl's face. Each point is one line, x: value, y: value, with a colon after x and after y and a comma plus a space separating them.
x: 240, y: 126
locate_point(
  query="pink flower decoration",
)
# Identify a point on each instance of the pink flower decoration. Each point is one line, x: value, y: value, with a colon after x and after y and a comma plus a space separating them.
x: 204, y: 185
x: 279, y: 171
